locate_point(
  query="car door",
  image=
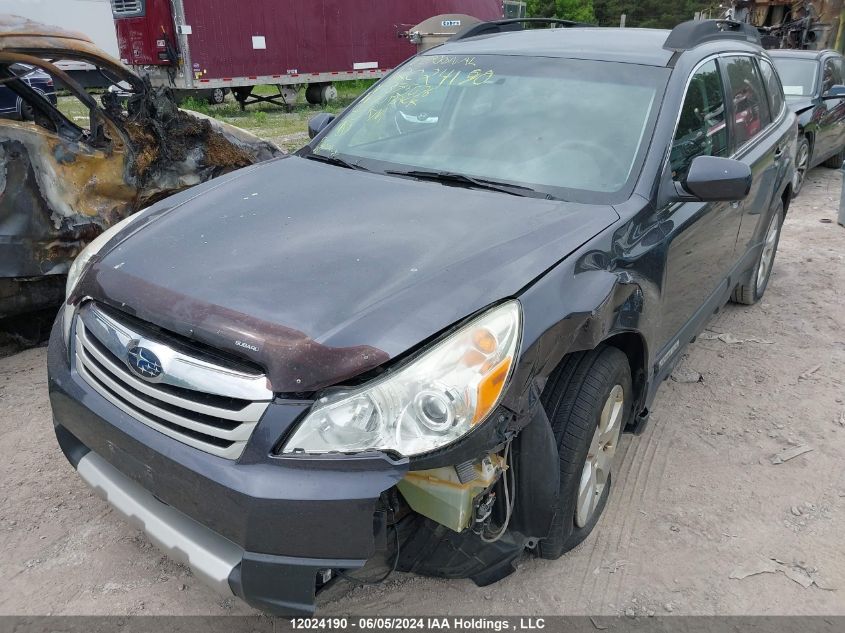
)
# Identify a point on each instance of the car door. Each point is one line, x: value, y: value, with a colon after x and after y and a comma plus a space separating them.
x: 830, y: 137
x: 754, y: 140
x: 700, y: 235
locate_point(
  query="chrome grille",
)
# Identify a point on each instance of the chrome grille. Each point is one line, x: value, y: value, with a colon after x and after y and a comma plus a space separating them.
x: 201, y: 403
x: 127, y: 8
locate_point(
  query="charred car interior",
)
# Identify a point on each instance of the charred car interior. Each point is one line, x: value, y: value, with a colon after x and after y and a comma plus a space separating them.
x: 63, y: 181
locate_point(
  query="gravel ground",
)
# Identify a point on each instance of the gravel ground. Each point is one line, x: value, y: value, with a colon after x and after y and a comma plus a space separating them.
x: 700, y: 521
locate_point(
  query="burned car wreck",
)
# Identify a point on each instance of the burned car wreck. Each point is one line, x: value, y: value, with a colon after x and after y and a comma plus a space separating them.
x: 414, y: 344
x: 64, y: 180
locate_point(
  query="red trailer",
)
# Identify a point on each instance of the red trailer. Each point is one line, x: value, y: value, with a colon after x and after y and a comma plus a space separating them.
x: 217, y: 45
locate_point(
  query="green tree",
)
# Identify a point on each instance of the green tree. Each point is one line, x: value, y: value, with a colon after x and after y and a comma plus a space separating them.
x: 662, y: 14
x: 578, y: 10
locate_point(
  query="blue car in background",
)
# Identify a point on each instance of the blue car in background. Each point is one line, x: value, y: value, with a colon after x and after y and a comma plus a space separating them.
x: 11, y: 105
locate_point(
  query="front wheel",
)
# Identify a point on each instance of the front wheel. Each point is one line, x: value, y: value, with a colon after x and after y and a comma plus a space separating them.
x: 802, y: 165
x: 588, y: 402
x: 751, y: 289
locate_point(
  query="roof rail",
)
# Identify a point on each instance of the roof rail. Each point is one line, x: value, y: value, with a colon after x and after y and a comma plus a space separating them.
x: 690, y: 34
x: 514, y: 24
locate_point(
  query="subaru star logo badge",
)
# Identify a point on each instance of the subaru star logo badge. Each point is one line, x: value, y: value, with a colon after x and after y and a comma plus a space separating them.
x: 144, y: 362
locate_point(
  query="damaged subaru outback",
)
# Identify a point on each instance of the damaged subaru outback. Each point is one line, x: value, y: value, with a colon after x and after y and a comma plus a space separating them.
x: 414, y: 343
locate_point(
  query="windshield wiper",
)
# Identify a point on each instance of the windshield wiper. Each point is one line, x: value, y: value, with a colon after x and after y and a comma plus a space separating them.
x: 334, y: 160
x: 471, y: 181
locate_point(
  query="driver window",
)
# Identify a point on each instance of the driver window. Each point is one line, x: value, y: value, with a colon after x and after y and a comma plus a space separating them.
x: 701, y: 128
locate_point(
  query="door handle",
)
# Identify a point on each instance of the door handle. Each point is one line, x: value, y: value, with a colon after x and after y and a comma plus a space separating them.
x: 778, y: 152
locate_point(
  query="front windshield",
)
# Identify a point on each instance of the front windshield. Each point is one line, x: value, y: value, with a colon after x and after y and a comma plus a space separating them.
x: 797, y: 75
x: 557, y: 126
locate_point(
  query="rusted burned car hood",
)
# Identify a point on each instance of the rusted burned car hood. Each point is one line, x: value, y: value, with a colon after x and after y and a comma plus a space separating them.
x: 319, y: 273
x: 65, y: 180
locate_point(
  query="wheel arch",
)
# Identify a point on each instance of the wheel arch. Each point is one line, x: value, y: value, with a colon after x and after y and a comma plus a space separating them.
x: 811, y: 139
x: 633, y: 345
x: 786, y: 197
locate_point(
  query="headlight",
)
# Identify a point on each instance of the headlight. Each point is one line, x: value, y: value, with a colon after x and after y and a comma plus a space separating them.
x: 431, y: 402
x: 80, y: 264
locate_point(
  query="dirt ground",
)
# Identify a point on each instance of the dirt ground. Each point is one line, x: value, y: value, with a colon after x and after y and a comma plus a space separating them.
x: 697, y: 502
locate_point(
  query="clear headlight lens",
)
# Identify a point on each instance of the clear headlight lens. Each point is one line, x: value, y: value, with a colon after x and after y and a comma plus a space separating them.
x: 431, y: 402
x: 84, y: 258
x: 80, y: 264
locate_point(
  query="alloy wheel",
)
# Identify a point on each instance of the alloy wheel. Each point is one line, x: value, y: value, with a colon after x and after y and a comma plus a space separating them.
x: 596, y: 472
x: 802, y: 161
x: 768, y: 255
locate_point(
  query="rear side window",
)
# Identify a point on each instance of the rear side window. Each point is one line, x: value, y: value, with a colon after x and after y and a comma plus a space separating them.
x: 773, y: 87
x: 747, y: 97
x: 701, y: 127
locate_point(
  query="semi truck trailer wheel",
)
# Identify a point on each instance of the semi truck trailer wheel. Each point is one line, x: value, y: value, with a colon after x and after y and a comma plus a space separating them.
x: 320, y: 94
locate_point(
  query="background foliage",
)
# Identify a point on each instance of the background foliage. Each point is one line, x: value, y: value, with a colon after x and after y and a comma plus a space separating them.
x: 643, y: 13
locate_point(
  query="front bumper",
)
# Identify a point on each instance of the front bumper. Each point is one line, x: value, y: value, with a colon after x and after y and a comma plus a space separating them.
x: 261, y: 527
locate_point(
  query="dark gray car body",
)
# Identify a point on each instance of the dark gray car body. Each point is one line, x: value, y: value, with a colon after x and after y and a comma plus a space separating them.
x: 356, y: 273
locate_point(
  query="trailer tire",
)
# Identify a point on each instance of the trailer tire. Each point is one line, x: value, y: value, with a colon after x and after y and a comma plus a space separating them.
x: 312, y: 94
x: 216, y: 96
x: 320, y: 94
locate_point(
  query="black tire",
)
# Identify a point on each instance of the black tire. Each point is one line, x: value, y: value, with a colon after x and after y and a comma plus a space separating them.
x: 835, y: 161
x: 313, y: 94
x: 216, y: 96
x: 574, y: 399
x: 802, y: 165
x: 752, y: 288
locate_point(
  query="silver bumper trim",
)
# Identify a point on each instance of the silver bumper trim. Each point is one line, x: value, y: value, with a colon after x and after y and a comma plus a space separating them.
x: 211, y: 557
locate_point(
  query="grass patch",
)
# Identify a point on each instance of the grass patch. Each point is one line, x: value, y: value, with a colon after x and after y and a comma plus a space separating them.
x: 287, y: 129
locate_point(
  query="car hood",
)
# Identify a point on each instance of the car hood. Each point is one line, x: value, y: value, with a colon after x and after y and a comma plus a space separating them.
x: 799, y: 104
x: 319, y: 273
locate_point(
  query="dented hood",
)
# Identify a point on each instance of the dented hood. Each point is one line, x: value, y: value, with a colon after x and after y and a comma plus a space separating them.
x: 319, y: 273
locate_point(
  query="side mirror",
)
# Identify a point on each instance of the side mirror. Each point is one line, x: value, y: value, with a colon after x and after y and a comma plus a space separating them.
x: 318, y: 123
x: 714, y: 179
x: 836, y: 92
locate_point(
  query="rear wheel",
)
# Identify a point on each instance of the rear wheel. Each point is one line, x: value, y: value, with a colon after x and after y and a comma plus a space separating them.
x: 750, y: 290
x: 588, y: 404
